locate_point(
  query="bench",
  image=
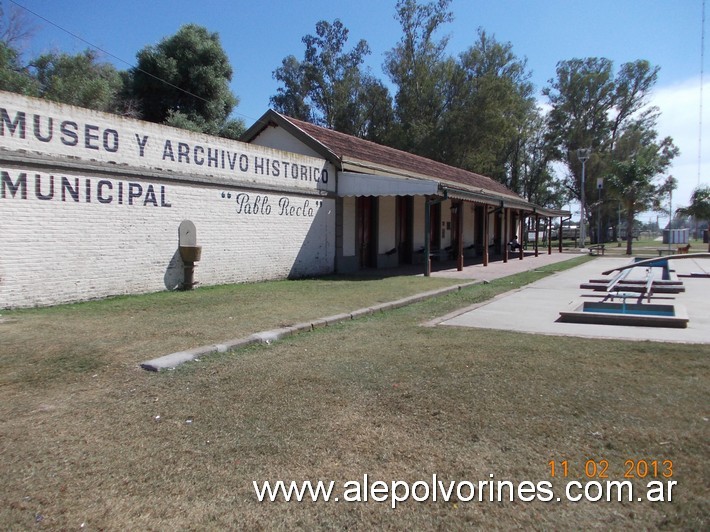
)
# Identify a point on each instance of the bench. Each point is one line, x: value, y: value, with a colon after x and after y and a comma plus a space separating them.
x: 596, y: 249
x: 515, y: 248
x: 665, y: 251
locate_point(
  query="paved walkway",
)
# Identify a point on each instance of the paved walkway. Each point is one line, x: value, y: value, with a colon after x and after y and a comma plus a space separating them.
x: 498, y: 268
x: 535, y: 308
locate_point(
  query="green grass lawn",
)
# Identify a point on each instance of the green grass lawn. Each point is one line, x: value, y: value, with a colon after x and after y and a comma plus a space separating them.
x: 40, y: 345
x: 639, y: 247
x: 107, y: 445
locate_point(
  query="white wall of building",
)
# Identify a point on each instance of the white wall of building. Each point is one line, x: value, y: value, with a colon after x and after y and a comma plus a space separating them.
x: 468, y: 224
x: 90, y: 206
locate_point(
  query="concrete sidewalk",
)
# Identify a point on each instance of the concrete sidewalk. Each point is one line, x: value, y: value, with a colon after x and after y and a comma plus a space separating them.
x: 498, y: 268
x: 536, y: 307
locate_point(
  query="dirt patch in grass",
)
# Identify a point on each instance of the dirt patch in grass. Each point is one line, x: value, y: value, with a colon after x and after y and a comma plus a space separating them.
x: 121, y: 448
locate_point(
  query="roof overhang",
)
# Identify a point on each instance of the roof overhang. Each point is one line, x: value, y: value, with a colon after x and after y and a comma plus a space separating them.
x: 272, y: 118
x: 487, y: 198
x: 366, y: 178
x: 551, y: 213
x: 357, y: 184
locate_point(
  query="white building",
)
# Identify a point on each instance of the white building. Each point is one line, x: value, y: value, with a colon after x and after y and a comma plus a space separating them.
x: 91, y: 205
x: 395, y: 208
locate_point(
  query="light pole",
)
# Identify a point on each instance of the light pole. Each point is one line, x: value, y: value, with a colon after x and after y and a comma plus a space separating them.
x: 600, y: 186
x: 670, y: 213
x: 582, y: 155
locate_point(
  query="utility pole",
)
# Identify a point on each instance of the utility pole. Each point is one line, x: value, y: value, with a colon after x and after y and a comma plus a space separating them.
x: 582, y: 155
x: 670, y: 214
x: 600, y: 185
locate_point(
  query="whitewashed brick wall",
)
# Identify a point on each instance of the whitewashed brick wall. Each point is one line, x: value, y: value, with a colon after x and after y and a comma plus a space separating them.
x: 45, y: 128
x: 86, y: 242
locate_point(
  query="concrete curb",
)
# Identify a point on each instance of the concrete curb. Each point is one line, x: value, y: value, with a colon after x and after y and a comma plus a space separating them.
x: 173, y: 360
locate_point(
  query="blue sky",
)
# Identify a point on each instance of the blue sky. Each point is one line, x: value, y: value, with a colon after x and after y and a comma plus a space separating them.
x: 258, y: 34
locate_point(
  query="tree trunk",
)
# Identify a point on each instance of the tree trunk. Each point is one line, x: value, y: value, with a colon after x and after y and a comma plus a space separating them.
x: 629, y: 231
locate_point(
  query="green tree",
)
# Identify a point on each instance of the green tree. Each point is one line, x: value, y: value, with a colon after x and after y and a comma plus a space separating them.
x: 375, y: 113
x: 632, y: 182
x: 333, y: 75
x: 14, y: 31
x: 531, y: 165
x: 418, y: 67
x: 330, y: 88
x: 78, y: 80
x: 489, y: 112
x: 14, y: 77
x: 592, y: 107
x: 291, y: 98
x: 184, y: 81
x: 476, y: 112
x: 699, y: 207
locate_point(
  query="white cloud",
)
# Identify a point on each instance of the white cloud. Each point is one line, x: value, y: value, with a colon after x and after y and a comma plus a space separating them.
x: 680, y: 118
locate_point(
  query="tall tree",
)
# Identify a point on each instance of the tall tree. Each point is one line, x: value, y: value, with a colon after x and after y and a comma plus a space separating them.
x: 184, y: 81
x: 418, y: 67
x: 491, y: 104
x: 78, y: 80
x: 292, y: 98
x: 333, y: 75
x: 699, y: 207
x: 15, y: 27
x: 633, y: 182
x: 531, y: 165
x: 15, y: 76
x: 591, y: 107
x: 375, y: 113
x: 330, y: 88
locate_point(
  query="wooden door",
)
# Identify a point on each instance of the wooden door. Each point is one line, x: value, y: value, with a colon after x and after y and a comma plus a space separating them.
x: 405, y: 228
x: 365, y: 231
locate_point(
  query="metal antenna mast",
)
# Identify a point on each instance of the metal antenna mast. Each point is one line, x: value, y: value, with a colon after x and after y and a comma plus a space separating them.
x: 702, y: 71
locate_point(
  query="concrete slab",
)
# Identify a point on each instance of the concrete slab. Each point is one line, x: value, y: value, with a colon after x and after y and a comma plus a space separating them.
x: 536, y: 307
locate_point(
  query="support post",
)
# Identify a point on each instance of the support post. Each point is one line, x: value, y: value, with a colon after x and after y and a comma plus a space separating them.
x: 537, y: 235
x: 505, y: 234
x: 427, y: 238
x: 521, y: 225
x: 485, y: 235
x: 459, y: 236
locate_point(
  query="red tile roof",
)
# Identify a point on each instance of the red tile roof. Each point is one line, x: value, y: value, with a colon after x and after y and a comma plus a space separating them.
x: 349, y: 147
